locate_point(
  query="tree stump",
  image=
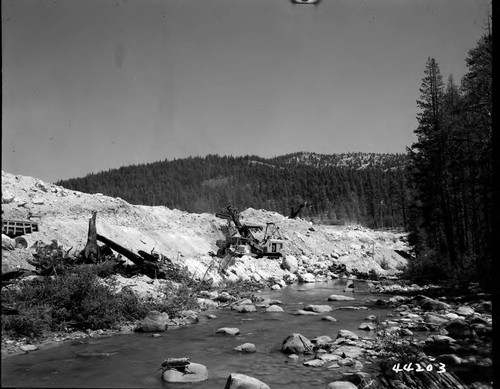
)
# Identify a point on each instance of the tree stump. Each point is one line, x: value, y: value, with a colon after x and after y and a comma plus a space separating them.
x: 91, y: 252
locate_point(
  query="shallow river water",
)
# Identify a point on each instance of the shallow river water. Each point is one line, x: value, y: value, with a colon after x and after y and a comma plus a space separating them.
x: 132, y: 360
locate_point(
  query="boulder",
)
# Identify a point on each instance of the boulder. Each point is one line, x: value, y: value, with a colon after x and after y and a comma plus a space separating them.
x: 245, y: 308
x: 240, y: 303
x: 275, y: 287
x: 28, y: 347
x: 329, y: 318
x: 154, y: 322
x: 290, y: 263
x: 434, y: 318
x: 340, y: 297
x: 246, y: 348
x: 228, y: 331
x: 330, y: 357
x: 347, y: 334
x: 199, y: 374
x: 449, y: 359
x: 353, y: 308
x: 367, y: 326
x: 346, y: 362
x: 341, y: 385
x: 307, y: 277
x: 429, y: 304
x: 355, y: 377
x: 318, y: 308
x: 274, y: 308
x: 7, y: 198
x: 349, y: 351
x: 321, y: 341
x: 242, y: 381
x: 306, y: 313
x: 295, y: 344
x: 459, y: 329
x: 315, y: 363
x: 8, y: 243
x: 482, y: 329
x: 465, y: 311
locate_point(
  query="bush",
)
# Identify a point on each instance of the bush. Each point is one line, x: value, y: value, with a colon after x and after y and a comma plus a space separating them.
x: 52, y: 303
x: 397, y: 350
x: 34, y: 322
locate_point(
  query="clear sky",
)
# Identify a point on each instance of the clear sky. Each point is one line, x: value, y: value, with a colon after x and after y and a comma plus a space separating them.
x: 98, y: 84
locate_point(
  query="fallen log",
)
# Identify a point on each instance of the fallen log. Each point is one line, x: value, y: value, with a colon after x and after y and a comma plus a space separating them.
x: 135, y: 258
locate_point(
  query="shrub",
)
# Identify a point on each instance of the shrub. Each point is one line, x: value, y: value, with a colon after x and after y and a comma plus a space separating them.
x: 34, y: 322
x: 394, y: 349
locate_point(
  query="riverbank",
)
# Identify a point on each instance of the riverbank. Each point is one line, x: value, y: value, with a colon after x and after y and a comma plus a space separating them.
x: 410, y: 319
x: 455, y: 330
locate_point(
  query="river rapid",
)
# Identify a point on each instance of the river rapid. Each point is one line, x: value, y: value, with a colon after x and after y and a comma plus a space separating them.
x: 132, y: 360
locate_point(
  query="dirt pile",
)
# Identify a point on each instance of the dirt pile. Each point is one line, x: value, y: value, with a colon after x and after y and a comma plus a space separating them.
x: 185, y: 238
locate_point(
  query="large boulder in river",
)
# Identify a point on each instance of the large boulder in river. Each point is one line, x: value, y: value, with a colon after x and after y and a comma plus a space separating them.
x: 341, y: 385
x: 307, y: 277
x: 459, y: 329
x: 318, y: 308
x: 274, y: 308
x: 245, y: 308
x: 246, y: 348
x: 296, y: 344
x: 434, y: 318
x: 340, y: 297
x: 429, y: 304
x: 464, y: 310
x: 198, y: 373
x: 347, y: 334
x: 242, y: 381
x: 290, y: 263
x: 228, y: 331
x: 154, y: 322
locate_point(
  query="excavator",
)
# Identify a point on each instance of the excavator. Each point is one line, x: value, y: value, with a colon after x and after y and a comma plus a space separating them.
x: 246, y: 243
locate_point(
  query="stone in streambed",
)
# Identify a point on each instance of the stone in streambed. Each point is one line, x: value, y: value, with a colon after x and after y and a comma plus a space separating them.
x: 246, y: 348
x: 153, y: 322
x: 340, y: 297
x: 296, y: 344
x: 228, y: 331
x: 274, y: 308
x: 318, y: 308
x: 199, y: 374
x: 242, y: 381
x: 341, y: 385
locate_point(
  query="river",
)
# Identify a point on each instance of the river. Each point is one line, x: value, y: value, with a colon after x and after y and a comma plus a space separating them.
x: 132, y: 360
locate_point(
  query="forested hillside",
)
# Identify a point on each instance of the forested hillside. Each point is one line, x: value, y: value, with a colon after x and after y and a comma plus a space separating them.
x: 340, y: 188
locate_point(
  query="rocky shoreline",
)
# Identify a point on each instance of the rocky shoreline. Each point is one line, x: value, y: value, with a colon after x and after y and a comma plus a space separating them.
x: 454, y: 332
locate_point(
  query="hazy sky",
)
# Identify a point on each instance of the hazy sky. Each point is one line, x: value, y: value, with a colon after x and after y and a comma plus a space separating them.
x: 96, y: 84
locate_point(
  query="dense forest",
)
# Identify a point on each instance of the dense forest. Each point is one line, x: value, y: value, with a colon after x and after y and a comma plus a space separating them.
x: 450, y: 171
x: 342, y: 188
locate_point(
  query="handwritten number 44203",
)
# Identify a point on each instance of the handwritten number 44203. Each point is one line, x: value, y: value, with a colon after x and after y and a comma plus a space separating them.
x: 408, y: 367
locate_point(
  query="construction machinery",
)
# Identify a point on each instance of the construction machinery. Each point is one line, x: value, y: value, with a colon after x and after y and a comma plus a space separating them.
x: 240, y: 240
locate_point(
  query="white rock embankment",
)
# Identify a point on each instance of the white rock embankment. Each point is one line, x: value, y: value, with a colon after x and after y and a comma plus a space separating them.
x: 187, y: 238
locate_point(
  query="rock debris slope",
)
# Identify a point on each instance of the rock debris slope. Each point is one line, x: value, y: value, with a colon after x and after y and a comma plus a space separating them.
x: 185, y: 237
